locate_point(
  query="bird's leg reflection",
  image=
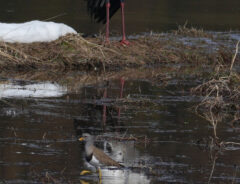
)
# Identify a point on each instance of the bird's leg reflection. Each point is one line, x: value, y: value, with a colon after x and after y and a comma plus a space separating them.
x: 83, y: 182
x: 122, y: 81
x: 104, y: 116
x: 84, y: 172
x: 100, y: 175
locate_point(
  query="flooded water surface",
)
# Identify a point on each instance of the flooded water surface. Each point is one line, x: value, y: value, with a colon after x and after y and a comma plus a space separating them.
x: 148, y: 126
x: 40, y: 124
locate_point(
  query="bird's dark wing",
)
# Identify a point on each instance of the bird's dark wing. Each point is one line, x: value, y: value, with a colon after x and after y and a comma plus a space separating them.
x: 97, y: 9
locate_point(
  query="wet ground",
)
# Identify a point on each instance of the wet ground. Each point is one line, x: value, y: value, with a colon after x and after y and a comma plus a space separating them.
x: 40, y: 124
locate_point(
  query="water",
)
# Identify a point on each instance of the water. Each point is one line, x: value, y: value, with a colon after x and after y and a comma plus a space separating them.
x: 40, y: 122
x: 141, y: 15
x: 38, y: 134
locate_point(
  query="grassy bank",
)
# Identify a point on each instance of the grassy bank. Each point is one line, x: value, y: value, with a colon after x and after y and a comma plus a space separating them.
x: 73, y: 52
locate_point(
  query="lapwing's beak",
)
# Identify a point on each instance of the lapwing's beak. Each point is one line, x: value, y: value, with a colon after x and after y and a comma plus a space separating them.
x: 81, y: 139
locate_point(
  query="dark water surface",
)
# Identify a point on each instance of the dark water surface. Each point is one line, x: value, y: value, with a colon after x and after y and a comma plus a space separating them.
x: 38, y: 134
x: 40, y: 122
x: 141, y: 15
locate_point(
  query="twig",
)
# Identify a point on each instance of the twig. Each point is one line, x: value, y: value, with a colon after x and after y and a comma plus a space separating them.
x: 234, y: 57
x: 54, y: 17
x: 235, y: 174
x: 233, y: 143
x: 212, y: 170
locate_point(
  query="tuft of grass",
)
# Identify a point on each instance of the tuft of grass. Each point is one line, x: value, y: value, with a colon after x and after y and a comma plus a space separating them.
x: 183, y: 30
x: 221, y: 96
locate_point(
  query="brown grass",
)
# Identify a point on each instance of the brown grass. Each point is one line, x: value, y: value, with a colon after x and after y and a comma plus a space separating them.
x: 221, y: 98
x: 183, y: 30
x: 75, y: 52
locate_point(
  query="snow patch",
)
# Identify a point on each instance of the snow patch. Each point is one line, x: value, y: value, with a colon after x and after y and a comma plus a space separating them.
x: 33, y: 31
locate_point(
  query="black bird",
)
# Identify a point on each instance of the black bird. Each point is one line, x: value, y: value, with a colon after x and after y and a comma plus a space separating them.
x: 103, y: 10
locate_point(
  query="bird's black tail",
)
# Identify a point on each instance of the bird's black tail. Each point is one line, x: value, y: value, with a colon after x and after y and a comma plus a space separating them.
x: 97, y: 9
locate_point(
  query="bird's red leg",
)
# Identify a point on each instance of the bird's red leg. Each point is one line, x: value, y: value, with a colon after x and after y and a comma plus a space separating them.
x: 107, y: 23
x: 124, y: 41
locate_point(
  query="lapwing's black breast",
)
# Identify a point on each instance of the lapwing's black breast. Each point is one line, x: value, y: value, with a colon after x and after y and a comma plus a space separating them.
x: 89, y: 157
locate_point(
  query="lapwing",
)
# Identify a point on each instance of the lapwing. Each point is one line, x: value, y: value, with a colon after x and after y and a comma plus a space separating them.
x: 95, y: 156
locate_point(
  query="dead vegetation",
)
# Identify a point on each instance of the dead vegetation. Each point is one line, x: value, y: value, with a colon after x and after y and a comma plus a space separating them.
x: 221, y: 96
x: 73, y: 52
x: 192, y: 32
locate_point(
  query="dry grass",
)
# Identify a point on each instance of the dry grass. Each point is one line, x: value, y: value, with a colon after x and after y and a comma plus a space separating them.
x: 191, y: 32
x: 221, y: 98
x: 75, y: 52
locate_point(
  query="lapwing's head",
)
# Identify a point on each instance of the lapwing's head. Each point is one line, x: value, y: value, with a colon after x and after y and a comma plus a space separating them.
x: 86, y: 138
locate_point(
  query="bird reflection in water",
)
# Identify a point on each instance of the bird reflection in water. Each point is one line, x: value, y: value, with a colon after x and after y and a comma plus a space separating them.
x: 110, y: 170
x: 118, y: 152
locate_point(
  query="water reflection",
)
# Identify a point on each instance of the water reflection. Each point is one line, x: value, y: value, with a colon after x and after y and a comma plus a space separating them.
x: 38, y: 135
x: 122, y: 152
x: 123, y: 176
x: 18, y: 89
x: 127, y: 154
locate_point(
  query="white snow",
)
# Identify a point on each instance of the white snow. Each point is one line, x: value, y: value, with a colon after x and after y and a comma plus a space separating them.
x: 33, y: 31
